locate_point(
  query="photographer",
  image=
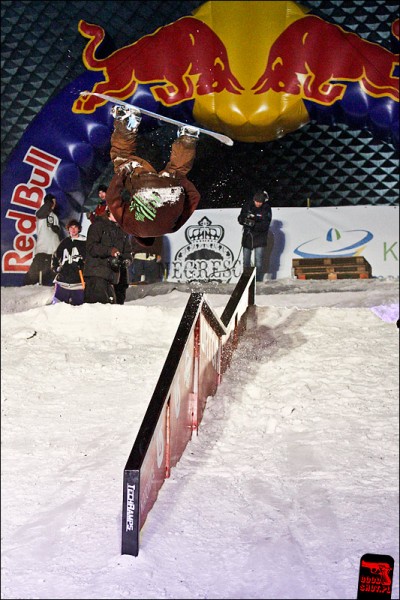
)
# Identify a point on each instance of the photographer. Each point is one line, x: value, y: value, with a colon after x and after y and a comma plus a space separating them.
x: 255, y: 216
x: 108, y: 252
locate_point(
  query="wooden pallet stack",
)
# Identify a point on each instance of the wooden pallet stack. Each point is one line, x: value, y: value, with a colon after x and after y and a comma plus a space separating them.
x: 349, y: 267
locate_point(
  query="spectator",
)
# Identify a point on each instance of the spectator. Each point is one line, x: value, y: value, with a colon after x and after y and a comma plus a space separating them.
x: 48, y: 235
x: 100, y: 209
x: 107, y: 248
x: 68, y: 261
x: 255, y: 216
x: 147, y: 262
x: 158, y: 203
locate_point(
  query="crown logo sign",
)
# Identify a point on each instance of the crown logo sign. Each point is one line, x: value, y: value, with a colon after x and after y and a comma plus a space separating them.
x: 204, y: 232
x: 205, y: 257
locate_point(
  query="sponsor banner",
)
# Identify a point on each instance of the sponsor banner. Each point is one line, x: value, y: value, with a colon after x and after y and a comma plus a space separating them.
x: 208, y: 248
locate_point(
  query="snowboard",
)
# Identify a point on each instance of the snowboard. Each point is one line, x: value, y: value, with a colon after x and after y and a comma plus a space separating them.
x: 218, y: 136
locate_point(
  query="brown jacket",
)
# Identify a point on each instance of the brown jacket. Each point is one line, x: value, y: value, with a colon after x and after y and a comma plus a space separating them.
x: 156, y: 206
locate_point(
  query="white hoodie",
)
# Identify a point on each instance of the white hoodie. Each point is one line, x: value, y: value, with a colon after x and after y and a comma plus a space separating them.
x: 47, y: 240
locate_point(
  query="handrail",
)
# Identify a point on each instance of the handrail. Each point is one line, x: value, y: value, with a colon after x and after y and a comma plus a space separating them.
x: 199, y: 354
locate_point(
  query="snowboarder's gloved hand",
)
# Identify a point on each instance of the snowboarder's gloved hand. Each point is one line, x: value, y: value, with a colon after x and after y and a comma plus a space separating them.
x: 128, y: 167
x: 115, y: 252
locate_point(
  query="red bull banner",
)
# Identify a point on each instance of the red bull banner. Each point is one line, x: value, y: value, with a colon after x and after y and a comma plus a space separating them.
x: 255, y: 71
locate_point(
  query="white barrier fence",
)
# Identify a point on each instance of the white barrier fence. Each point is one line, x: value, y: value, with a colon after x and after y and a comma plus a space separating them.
x: 208, y: 247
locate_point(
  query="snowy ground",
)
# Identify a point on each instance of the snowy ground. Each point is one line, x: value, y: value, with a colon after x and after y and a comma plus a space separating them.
x: 292, y: 477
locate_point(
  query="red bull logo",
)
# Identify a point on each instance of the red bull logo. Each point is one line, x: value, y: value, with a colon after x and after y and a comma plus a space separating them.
x: 248, y: 66
x: 187, y: 56
x: 312, y: 56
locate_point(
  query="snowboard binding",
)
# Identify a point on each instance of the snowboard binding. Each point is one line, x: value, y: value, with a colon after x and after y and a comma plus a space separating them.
x: 133, y: 116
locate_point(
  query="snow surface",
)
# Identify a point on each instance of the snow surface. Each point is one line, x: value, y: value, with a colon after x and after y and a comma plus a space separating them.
x: 292, y: 477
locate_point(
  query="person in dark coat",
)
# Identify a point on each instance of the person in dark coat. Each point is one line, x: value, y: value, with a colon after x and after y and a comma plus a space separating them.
x: 107, y: 249
x: 255, y: 216
x: 101, y: 211
x: 158, y: 202
x: 67, y: 262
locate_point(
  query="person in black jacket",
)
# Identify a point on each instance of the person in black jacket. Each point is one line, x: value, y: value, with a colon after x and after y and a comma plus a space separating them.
x: 68, y: 261
x: 255, y: 216
x: 101, y: 211
x: 107, y: 249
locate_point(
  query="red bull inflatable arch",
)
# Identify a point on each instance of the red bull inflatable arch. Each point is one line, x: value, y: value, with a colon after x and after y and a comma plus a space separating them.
x: 255, y: 71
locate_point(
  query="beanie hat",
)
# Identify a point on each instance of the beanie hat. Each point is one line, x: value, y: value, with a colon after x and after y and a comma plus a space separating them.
x: 261, y: 196
x: 49, y: 198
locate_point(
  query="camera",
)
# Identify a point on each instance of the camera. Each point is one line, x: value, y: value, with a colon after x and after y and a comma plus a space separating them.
x: 116, y: 262
x: 249, y: 220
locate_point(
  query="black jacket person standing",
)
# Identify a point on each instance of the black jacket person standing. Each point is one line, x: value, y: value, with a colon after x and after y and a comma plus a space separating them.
x: 107, y: 249
x: 255, y: 216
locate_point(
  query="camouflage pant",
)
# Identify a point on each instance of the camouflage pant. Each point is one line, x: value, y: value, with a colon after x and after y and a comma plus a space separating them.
x: 123, y: 153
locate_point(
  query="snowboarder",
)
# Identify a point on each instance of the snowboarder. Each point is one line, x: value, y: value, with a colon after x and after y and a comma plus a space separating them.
x: 158, y: 202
